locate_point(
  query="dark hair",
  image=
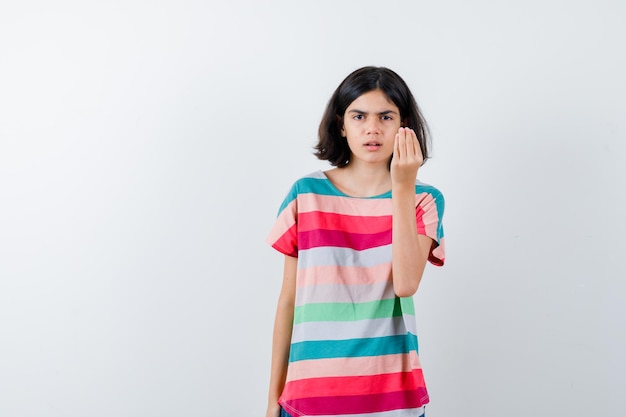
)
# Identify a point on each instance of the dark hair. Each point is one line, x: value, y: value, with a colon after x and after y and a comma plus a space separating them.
x: 332, y: 147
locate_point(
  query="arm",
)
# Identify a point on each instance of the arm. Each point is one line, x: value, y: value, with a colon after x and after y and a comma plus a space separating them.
x: 409, y: 249
x: 281, y: 341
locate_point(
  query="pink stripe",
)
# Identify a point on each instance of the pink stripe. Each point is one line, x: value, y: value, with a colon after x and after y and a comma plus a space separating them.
x: 419, y: 220
x: 367, y: 365
x: 427, y: 215
x: 333, y: 274
x: 352, y: 224
x: 344, y: 205
x: 354, y: 207
x: 287, y: 243
x: 427, y: 218
x: 359, y: 404
x: 336, y: 238
x: 284, y: 222
x: 354, y: 385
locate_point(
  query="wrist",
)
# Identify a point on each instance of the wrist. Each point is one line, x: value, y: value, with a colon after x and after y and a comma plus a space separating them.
x: 403, y: 190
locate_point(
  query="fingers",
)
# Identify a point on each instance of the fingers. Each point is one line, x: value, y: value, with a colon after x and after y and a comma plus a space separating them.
x: 407, y: 157
x: 399, y: 146
x: 406, y: 144
x: 417, y: 151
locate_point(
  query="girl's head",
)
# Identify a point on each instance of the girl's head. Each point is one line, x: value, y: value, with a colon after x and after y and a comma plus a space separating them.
x: 332, y: 146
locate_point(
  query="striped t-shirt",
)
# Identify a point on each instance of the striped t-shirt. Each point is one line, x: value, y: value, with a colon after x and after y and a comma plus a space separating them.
x: 354, y: 348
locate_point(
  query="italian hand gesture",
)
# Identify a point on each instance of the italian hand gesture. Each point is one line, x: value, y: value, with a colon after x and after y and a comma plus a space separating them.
x: 407, y: 158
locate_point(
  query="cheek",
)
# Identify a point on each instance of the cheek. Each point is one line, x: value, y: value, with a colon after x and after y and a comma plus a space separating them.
x: 392, y: 131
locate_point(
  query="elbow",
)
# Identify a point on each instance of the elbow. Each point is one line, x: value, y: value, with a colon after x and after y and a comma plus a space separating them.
x: 406, y: 290
x: 407, y: 280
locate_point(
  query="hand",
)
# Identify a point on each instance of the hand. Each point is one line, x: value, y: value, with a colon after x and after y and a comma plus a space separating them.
x: 407, y: 158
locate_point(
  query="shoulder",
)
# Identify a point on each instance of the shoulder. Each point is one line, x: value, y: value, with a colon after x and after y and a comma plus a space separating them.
x: 311, y: 178
x: 314, y: 183
x: 421, y: 187
x: 427, y: 195
x: 304, y: 185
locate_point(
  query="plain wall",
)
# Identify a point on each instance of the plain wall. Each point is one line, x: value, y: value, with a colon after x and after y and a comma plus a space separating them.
x: 145, y: 148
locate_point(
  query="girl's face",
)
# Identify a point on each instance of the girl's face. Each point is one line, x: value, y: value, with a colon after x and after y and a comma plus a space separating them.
x: 370, y: 124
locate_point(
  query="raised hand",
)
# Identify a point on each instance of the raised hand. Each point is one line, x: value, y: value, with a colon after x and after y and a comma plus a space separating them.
x: 407, y: 158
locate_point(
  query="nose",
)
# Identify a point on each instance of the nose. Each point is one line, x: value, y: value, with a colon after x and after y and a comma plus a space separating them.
x: 372, y: 126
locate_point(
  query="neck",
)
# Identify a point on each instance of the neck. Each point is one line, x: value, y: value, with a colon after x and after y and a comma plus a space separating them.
x: 363, y: 180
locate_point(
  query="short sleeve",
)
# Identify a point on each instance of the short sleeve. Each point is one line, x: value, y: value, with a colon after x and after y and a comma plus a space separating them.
x: 428, y: 215
x: 284, y: 234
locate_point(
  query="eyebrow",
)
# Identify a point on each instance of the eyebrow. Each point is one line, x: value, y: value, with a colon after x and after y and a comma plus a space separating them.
x: 382, y: 113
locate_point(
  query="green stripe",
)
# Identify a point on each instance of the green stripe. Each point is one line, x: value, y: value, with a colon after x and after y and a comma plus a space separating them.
x: 392, y: 307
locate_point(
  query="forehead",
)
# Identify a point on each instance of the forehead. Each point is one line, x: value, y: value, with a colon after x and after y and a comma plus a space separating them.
x: 374, y: 100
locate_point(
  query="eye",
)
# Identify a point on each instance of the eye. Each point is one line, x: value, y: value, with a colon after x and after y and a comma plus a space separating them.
x: 358, y: 117
x: 386, y: 117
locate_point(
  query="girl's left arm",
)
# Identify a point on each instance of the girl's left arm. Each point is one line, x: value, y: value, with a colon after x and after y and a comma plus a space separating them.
x: 409, y: 249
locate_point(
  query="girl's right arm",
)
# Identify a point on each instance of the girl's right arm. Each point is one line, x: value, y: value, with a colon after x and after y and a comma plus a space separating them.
x: 281, y: 342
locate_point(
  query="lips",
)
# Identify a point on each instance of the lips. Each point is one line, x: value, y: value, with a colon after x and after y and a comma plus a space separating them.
x: 372, y: 146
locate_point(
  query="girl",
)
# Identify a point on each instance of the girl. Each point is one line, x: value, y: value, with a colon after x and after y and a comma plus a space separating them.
x: 356, y: 239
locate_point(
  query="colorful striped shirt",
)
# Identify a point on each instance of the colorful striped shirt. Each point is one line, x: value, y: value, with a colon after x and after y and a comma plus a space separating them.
x: 354, y: 349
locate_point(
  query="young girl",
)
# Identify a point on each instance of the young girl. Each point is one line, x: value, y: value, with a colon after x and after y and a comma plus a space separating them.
x: 356, y: 239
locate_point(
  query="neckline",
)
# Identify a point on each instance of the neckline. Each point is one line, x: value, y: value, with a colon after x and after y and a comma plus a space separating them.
x: 341, y: 193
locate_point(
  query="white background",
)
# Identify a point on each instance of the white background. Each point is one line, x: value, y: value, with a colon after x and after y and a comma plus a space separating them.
x: 145, y: 147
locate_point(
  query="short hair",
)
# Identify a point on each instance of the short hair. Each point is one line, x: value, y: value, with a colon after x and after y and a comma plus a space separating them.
x: 332, y: 147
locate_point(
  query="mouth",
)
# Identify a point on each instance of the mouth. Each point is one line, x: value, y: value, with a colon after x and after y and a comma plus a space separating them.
x: 372, y: 146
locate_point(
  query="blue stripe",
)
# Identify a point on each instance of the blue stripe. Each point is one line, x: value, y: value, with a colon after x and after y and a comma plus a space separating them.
x: 308, y: 185
x: 351, y: 348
